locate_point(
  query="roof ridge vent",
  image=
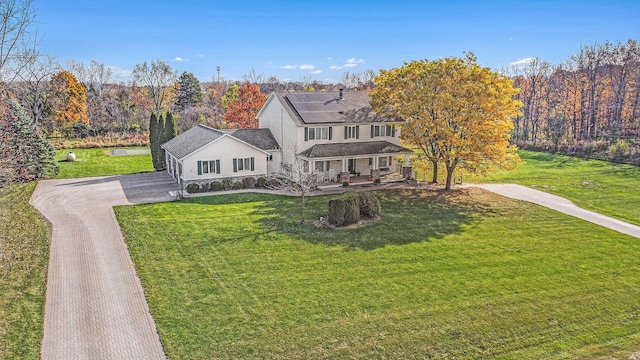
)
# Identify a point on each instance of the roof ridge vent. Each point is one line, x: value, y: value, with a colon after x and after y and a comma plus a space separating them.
x: 341, y: 97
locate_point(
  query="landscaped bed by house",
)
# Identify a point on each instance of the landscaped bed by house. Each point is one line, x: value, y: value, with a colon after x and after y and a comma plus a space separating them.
x: 465, y: 274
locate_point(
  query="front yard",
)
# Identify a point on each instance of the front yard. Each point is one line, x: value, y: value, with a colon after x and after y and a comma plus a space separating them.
x: 465, y: 274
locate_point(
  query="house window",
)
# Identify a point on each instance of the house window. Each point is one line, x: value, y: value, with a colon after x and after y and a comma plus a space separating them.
x: 322, y: 166
x: 208, y: 167
x: 243, y: 164
x: 352, y: 132
x: 317, y: 133
x: 384, y: 163
x: 383, y: 130
x: 270, y: 157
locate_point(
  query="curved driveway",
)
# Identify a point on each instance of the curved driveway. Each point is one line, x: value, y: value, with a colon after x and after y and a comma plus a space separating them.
x: 559, y: 204
x: 95, y: 306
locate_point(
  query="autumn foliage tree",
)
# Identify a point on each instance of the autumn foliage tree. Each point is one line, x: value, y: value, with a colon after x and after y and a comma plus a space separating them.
x: 457, y: 113
x: 69, y: 103
x: 241, y: 112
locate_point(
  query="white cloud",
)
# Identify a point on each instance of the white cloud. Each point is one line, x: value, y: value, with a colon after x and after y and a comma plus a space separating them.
x: 522, y: 61
x: 355, y: 61
x: 350, y: 65
x: 335, y: 67
x: 200, y: 55
x: 179, y: 59
x: 301, y: 67
x: 315, y: 72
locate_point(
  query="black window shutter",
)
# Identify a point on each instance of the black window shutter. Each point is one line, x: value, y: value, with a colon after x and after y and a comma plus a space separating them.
x: 393, y: 131
x: 345, y: 132
x: 217, y: 166
x: 252, y: 164
x: 371, y: 130
x: 357, y: 131
x: 306, y: 134
x: 330, y: 131
x: 235, y: 165
x: 199, y: 167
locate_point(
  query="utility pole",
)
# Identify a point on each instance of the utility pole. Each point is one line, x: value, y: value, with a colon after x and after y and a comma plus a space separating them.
x: 218, y: 70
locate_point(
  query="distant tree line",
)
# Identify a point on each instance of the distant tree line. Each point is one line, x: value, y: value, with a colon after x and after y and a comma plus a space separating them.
x: 587, y: 104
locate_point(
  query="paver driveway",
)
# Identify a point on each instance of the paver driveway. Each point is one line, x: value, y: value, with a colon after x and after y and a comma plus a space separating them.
x: 95, y: 307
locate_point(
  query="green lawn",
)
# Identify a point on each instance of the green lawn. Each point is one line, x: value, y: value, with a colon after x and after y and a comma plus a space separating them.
x: 24, y: 255
x: 98, y: 162
x: 600, y: 186
x: 462, y: 275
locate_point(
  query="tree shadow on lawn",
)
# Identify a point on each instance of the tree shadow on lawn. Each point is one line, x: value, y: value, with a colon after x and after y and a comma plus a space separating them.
x: 408, y: 216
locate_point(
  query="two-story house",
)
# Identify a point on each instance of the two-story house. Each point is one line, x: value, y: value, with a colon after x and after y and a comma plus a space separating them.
x: 330, y: 136
x: 336, y: 135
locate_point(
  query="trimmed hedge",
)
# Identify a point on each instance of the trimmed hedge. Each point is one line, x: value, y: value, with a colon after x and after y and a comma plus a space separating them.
x: 216, y: 186
x: 238, y: 185
x: 349, y: 208
x: 193, y: 188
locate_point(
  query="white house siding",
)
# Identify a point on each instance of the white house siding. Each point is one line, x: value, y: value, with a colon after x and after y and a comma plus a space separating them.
x: 224, y: 149
x: 273, y: 165
x: 282, y: 126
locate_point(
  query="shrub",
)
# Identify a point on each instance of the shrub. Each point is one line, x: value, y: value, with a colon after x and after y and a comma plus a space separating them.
x: 193, y: 188
x: 216, y: 186
x: 227, y: 183
x: 369, y: 204
x: 249, y: 182
x: 619, y: 150
x: 337, y: 210
x: 344, y: 211
x: 261, y: 181
x: 238, y: 185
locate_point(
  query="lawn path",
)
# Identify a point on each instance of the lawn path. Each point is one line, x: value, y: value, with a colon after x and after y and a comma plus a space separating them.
x: 559, y: 204
x: 95, y: 305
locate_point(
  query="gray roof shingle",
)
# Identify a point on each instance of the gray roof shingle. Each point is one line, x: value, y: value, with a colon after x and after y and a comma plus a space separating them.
x: 325, y: 108
x: 353, y: 149
x: 191, y: 140
x: 201, y: 135
x: 260, y: 138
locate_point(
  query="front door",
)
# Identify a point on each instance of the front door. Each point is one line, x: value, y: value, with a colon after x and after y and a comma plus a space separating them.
x: 352, y: 166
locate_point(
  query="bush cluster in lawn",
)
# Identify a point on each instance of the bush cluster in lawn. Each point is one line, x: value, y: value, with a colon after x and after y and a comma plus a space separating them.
x: 350, y: 208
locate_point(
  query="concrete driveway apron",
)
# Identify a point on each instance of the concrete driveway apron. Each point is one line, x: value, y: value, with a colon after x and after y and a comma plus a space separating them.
x: 95, y: 305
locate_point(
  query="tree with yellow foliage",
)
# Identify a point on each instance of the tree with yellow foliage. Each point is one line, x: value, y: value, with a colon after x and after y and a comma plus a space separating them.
x: 456, y: 112
x: 69, y: 99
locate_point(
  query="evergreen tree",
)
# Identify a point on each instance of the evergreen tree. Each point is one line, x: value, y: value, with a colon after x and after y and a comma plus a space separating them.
x: 25, y: 154
x: 170, y: 129
x: 188, y: 93
x: 155, y: 132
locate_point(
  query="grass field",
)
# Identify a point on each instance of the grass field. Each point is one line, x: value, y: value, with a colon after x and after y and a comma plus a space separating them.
x: 601, y: 186
x: 98, y: 162
x: 463, y: 275
x: 24, y: 255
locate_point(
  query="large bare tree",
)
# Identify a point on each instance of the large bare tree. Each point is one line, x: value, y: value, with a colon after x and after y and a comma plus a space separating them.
x: 17, y: 43
x: 157, y: 78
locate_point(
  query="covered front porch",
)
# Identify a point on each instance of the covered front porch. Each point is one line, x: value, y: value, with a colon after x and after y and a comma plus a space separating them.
x: 345, y: 163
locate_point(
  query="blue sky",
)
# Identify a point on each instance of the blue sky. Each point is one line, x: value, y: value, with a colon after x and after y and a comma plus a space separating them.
x: 323, y: 39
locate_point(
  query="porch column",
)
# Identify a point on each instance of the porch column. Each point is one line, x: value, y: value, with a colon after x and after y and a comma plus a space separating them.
x: 406, y: 167
x: 375, y: 169
x: 344, y: 174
